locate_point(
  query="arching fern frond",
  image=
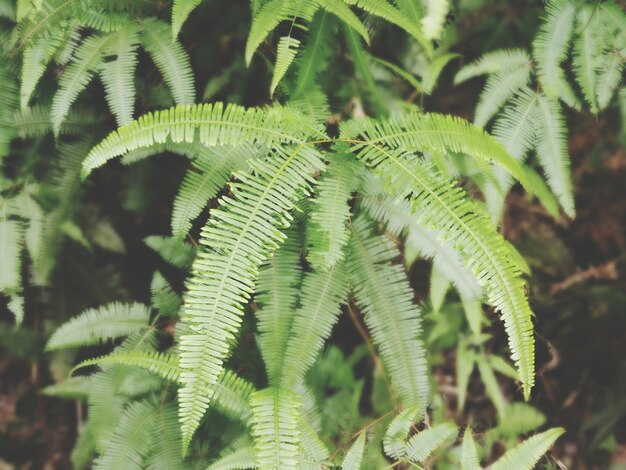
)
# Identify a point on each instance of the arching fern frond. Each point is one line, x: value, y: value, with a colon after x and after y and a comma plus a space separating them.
x: 331, y: 211
x: 552, y: 150
x: 180, y: 12
x: 499, y: 61
x: 587, y: 50
x: 285, y: 54
x: 551, y: 45
x: 528, y: 453
x: 420, y: 447
x: 162, y: 364
x: 499, y: 89
x: 95, y: 326
x: 214, y: 124
x: 211, y: 171
x: 275, y: 425
x: 384, y: 296
x: 321, y: 296
x: 118, y: 75
x: 239, y: 237
x: 171, y: 59
x: 174, y: 251
x: 354, y: 457
x: 469, y: 455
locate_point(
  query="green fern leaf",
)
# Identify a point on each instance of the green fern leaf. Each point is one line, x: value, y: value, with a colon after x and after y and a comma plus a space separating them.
x: 216, y: 124
x: 275, y: 425
x: 171, y: 59
x: 277, y: 295
x: 500, y: 61
x: 499, y: 89
x: 320, y: 299
x: 95, y: 326
x: 240, y: 236
x: 11, y: 239
x: 586, y: 53
x: 347, y: 16
x: 211, y: 171
x: 469, y: 455
x: 241, y: 458
x: 382, y: 292
x: 88, y: 60
x: 331, y: 211
x: 527, y: 454
x: 434, y: 69
x: 610, y: 76
x: 394, y: 441
x: 164, y: 365
x: 435, y: 19
x: 440, y: 204
x: 551, y: 45
x: 552, y: 151
x: 166, y: 448
x: 180, y: 13
x: 174, y: 251
x: 424, y: 443
x: 118, y: 75
x: 164, y: 299
x: 285, y: 55
x: 354, y: 457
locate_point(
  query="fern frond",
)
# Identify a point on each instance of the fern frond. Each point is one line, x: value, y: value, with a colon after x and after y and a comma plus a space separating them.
x: 394, y: 441
x: 528, y: 453
x: 440, y: 204
x: 420, y: 447
x: 435, y: 19
x: 87, y: 62
x: 180, y: 12
x: 166, y: 441
x: 277, y: 295
x: 388, y: 12
x: 75, y: 388
x: 285, y: 54
x: 551, y: 45
x: 314, y: 454
x: 383, y: 294
x: 342, y: 12
x: 131, y: 441
x: 11, y: 239
x: 275, y: 425
x: 499, y: 61
x: 240, y: 236
x: 162, y: 364
x: 35, y: 122
x: 499, y: 89
x: 610, y: 76
x: 320, y: 299
x: 552, y: 151
x: 439, y: 286
x: 163, y: 298
x: 232, y: 396
x: 170, y: 58
x: 211, y: 171
x: 16, y: 307
x: 118, y: 75
x: 520, y: 419
x: 238, y: 459
x: 173, y: 250
x: 469, y: 455
x: 95, y: 326
x: 354, y: 457
x: 216, y: 125
x: 515, y: 125
x: 587, y: 49
x: 331, y: 211
x: 434, y: 69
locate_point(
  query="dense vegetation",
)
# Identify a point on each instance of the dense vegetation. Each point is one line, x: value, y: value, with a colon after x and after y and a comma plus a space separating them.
x: 286, y: 234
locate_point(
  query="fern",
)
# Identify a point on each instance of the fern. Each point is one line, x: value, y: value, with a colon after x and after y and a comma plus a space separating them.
x: 97, y: 325
x: 433, y: 22
x: 586, y: 60
x: 180, y: 13
x: 423, y: 444
x: 354, y: 457
x: 469, y: 455
x: 528, y: 453
x: 498, y: 90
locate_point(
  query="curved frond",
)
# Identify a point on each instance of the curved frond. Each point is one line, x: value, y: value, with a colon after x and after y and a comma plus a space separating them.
x: 95, y: 326
x: 211, y: 171
x: 552, y: 151
x: 238, y: 459
x: 239, y: 237
x: 214, y: 124
x: 87, y: 62
x: 331, y: 211
x: 500, y: 61
x: 162, y: 364
x: 527, y: 454
x: 173, y: 250
x: 394, y: 441
x: 354, y: 457
x: 275, y: 425
x: 171, y: 59
x: 469, y: 455
x: 322, y: 293
x: 166, y: 447
x: 382, y: 292
x: 285, y: 54
x: 440, y: 204
x: 551, y: 45
x: 277, y: 296
x: 499, y: 89
x: 180, y: 12
x: 587, y: 49
x: 435, y: 19
x: 420, y: 447
x: 118, y: 75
